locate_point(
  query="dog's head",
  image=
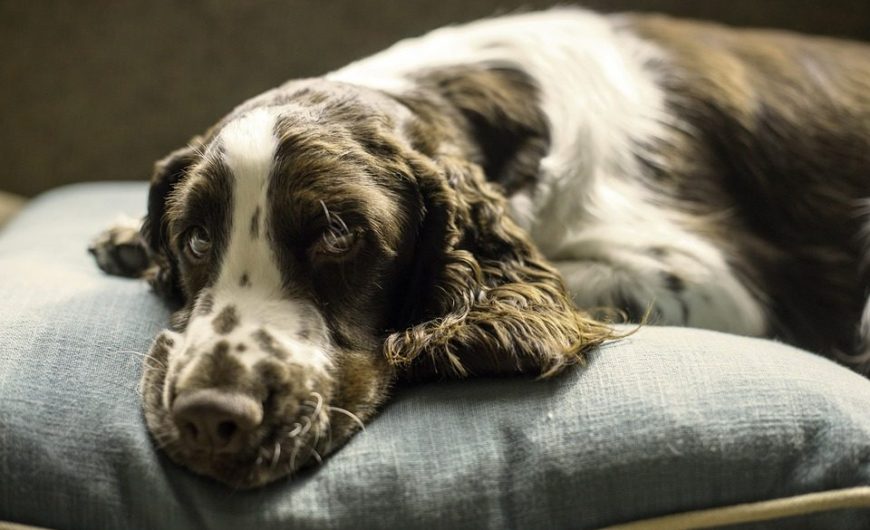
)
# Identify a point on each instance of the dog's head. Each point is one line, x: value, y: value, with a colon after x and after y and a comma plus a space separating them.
x: 324, y: 240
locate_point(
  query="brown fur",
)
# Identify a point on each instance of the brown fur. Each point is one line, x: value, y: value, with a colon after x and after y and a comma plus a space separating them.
x: 778, y: 165
x: 226, y: 321
x: 492, y: 116
x: 494, y: 306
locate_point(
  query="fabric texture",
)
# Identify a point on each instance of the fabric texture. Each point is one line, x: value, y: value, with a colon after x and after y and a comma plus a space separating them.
x: 665, y: 421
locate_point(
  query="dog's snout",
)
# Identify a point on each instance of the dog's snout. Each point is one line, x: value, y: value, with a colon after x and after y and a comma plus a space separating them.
x: 212, y: 419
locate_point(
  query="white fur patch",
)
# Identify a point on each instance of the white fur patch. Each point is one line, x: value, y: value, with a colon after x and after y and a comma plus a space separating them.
x: 590, y: 211
x: 249, y: 146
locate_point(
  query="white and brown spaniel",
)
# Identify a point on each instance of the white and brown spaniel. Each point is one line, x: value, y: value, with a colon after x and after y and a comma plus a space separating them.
x: 443, y: 207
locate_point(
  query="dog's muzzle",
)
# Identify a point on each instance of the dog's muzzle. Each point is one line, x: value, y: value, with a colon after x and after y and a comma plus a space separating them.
x: 239, y: 401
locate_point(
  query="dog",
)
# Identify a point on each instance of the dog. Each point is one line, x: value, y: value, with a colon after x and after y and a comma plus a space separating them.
x: 444, y: 207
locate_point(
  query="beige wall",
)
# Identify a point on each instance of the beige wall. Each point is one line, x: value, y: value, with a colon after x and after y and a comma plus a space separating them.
x: 95, y: 90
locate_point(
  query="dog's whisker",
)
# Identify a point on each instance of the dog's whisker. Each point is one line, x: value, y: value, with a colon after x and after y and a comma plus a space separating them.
x: 162, y: 439
x: 349, y: 414
x: 316, y: 455
x: 293, y: 456
x: 297, y: 429
x: 317, y: 434
x: 133, y: 352
x: 276, y: 455
x: 125, y: 385
x: 307, y: 425
x: 147, y: 356
x: 319, y: 404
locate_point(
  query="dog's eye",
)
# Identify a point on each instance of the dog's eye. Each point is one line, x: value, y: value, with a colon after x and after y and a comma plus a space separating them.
x: 337, y: 241
x: 198, y: 243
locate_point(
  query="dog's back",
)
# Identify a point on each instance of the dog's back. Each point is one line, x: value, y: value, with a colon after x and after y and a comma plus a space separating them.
x: 779, y: 137
x: 679, y: 134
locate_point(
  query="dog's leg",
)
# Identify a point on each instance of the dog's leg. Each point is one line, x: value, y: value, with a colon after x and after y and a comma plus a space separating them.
x: 121, y: 251
x: 679, y: 285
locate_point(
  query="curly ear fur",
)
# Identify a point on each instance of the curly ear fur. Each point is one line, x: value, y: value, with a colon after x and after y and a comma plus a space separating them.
x: 168, y: 173
x: 493, y: 305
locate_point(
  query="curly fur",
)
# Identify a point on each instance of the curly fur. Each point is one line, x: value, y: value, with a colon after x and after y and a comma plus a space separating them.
x: 496, y: 306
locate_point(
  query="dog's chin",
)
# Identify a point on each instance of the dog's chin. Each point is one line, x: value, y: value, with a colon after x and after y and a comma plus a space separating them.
x: 276, y: 457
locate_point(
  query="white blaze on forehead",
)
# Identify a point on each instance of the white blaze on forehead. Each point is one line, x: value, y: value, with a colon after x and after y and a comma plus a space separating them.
x: 249, y: 143
x: 248, y: 147
x: 250, y: 278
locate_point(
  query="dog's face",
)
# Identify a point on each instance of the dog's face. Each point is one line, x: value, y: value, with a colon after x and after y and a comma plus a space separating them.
x: 289, y: 231
x: 321, y: 245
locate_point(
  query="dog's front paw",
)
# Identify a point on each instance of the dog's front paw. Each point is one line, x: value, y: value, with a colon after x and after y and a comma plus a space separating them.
x: 120, y: 250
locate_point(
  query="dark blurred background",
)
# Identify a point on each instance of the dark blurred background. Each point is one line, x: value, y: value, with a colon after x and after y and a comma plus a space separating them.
x: 96, y: 90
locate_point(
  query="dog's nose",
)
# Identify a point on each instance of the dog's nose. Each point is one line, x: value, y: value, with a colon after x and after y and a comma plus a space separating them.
x: 211, y: 419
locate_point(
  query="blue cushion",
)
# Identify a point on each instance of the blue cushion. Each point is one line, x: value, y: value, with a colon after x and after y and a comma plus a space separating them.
x: 665, y: 421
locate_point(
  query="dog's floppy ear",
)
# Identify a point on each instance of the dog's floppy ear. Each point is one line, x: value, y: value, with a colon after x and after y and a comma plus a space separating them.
x: 168, y: 173
x: 485, y: 300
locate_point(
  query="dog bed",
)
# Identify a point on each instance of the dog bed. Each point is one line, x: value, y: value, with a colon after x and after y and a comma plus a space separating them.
x: 669, y: 428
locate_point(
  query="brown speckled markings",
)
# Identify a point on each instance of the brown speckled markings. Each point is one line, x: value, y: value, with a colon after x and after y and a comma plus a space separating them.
x: 220, y: 368
x: 245, y: 280
x: 268, y: 344
x: 255, y: 224
x: 221, y: 349
x: 226, y: 321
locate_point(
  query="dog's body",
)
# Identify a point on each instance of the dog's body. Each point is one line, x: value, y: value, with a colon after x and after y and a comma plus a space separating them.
x: 396, y: 218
